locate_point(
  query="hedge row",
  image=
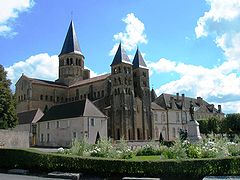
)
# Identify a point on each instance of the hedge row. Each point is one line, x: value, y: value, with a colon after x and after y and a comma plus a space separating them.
x: 32, y: 160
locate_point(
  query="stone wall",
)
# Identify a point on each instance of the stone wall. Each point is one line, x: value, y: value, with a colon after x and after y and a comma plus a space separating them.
x: 14, y: 139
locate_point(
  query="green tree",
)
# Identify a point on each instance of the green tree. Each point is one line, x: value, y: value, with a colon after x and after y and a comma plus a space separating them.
x: 8, y: 118
x: 232, y: 123
x: 210, y: 125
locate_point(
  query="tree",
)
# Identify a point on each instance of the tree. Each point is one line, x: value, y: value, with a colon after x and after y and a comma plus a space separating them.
x: 232, y: 123
x: 8, y: 118
x: 210, y: 125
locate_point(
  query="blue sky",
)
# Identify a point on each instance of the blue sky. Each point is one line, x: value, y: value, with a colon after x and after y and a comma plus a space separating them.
x: 190, y: 47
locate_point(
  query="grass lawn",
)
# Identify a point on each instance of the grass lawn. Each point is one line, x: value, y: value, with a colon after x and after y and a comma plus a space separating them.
x: 146, y: 158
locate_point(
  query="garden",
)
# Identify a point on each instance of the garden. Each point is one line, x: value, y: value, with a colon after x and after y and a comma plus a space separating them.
x: 213, y: 146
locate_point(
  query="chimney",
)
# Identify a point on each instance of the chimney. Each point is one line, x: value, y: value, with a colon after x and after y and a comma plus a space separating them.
x: 177, y: 96
x: 219, y: 108
x: 183, y: 98
x: 199, y: 101
x: 171, y: 101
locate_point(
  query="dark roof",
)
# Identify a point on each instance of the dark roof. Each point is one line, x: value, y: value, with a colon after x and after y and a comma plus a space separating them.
x: 71, y: 42
x: 153, y: 95
x: 138, y: 61
x: 164, y: 100
x: 63, y: 111
x: 120, y: 56
x: 72, y: 110
x: 28, y: 117
x: 46, y: 82
x: 155, y: 106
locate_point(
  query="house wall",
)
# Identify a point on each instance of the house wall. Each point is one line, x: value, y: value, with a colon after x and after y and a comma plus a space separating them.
x: 61, y: 132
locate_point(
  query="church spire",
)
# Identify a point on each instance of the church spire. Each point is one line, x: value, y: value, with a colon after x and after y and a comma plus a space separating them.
x: 71, y: 42
x: 138, y: 60
x: 120, y: 56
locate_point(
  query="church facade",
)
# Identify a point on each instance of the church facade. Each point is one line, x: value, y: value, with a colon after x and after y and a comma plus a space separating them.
x: 123, y: 95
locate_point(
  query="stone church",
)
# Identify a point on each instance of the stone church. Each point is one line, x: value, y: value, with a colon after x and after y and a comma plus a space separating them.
x: 134, y: 112
x: 123, y: 95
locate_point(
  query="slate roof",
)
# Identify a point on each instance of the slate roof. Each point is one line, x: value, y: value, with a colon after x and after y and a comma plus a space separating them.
x: 72, y: 110
x: 71, y: 42
x: 28, y: 117
x: 120, y: 56
x: 155, y: 106
x: 164, y: 100
x: 138, y: 61
x: 153, y: 95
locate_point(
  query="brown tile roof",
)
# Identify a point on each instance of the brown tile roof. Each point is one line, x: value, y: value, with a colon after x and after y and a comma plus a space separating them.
x: 91, y: 80
x: 47, y: 83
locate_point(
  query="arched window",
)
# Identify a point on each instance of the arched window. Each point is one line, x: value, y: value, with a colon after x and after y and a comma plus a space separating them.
x: 71, y: 61
x: 68, y: 61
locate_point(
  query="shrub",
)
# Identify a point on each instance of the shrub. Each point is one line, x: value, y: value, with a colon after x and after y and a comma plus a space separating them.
x: 26, y: 159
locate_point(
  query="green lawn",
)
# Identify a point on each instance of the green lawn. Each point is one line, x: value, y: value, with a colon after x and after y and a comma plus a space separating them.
x: 146, y: 158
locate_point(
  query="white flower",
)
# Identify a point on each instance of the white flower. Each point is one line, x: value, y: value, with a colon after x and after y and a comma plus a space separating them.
x: 60, y: 149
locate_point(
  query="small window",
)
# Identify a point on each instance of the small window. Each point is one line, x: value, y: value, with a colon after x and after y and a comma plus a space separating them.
x: 24, y: 96
x: 51, y: 98
x: 41, y: 97
x: 98, y: 94
x: 41, y: 137
x: 48, y: 137
x: 58, y: 124
x: 48, y: 125
x: 57, y: 99
x: 74, y: 135
x: 46, y: 97
x: 92, y: 122
x: 102, y: 93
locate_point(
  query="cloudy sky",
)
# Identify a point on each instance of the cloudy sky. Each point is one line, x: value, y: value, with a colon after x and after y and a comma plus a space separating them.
x: 190, y: 47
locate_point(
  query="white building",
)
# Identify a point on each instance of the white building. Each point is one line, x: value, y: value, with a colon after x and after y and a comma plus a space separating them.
x: 171, y: 114
x: 27, y: 122
x: 75, y: 120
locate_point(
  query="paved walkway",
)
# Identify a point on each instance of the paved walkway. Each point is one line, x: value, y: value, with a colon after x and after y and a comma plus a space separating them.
x: 24, y: 177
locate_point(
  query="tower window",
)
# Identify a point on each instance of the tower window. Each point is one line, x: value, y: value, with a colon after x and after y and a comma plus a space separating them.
x: 41, y: 97
x: 71, y: 61
x: 68, y: 61
x: 144, y: 74
x: 102, y: 93
x: 46, y: 97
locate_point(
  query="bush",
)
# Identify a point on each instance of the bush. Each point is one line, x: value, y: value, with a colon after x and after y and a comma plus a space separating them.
x: 26, y: 159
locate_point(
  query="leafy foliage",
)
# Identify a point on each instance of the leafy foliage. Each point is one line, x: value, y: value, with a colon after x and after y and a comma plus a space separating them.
x: 39, y: 161
x: 8, y: 117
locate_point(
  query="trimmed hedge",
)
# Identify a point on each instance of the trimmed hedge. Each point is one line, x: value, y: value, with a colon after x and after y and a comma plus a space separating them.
x: 39, y: 161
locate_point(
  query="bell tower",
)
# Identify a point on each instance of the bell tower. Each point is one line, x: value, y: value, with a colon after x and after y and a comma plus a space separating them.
x: 142, y: 92
x: 122, y: 97
x: 71, y: 60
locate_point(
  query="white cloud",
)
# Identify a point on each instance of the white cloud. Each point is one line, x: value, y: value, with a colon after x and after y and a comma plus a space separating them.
x: 220, y: 12
x: 10, y: 10
x: 132, y: 36
x: 40, y: 66
x: 213, y: 84
x: 220, y: 84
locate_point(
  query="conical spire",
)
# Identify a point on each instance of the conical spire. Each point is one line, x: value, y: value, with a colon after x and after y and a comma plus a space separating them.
x: 153, y: 95
x: 138, y: 60
x: 120, y: 56
x: 71, y: 42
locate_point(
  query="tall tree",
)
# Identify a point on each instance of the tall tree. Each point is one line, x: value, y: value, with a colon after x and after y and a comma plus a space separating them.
x: 8, y: 118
